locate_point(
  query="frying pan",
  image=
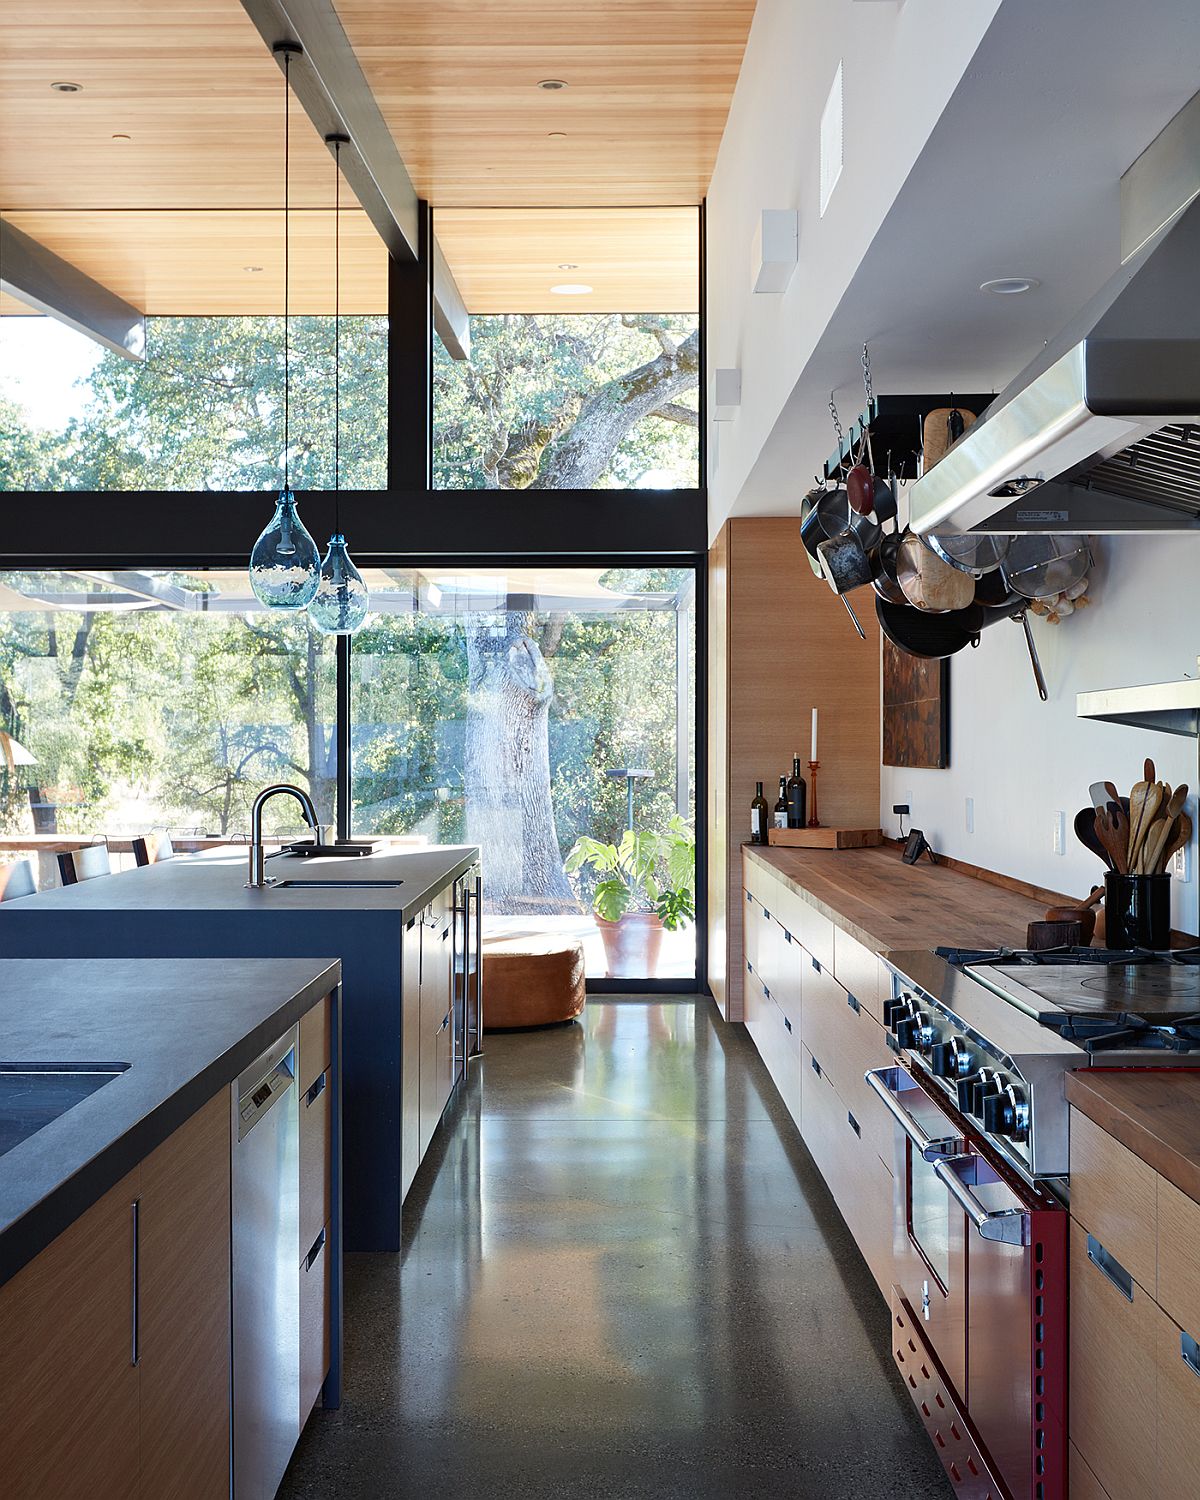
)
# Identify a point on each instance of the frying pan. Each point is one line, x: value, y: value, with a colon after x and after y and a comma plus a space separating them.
x: 928, y: 635
x: 993, y: 592
x: 929, y: 583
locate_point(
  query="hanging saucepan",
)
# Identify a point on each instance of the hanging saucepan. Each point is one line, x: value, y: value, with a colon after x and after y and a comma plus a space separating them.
x: 931, y: 636
x: 848, y: 559
x: 929, y: 583
x: 993, y: 592
x: 823, y: 513
x: 860, y: 490
x: 884, y: 500
x: 1040, y: 566
x: 974, y: 552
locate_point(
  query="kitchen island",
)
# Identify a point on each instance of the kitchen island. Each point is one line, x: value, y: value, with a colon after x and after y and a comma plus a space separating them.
x: 399, y: 939
x: 122, y: 1287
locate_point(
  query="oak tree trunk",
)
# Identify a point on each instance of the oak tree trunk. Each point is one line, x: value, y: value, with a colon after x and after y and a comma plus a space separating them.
x: 509, y: 811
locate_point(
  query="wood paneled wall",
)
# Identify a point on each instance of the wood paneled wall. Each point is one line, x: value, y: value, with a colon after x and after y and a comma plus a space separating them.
x: 779, y: 645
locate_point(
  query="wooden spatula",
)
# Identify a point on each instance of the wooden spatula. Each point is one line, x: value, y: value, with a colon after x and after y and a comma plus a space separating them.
x: 1153, y: 845
x: 1112, y: 829
x: 1181, y: 833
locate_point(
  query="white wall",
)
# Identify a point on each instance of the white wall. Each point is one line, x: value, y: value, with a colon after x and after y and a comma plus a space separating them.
x: 1022, y: 760
x: 901, y: 65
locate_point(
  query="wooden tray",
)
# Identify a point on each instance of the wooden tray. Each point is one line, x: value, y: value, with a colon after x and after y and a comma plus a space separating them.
x: 825, y: 838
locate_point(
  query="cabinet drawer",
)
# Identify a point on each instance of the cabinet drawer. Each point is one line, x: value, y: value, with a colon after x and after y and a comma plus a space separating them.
x: 858, y: 970
x: 1178, y: 1409
x: 848, y: 1042
x: 316, y: 1048
x: 316, y: 1160
x: 754, y: 922
x: 315, y: 1285
x: 860, y: 1183
x: 815, y: 931
x: 1179, y: 1256
x: 1114, y: 1353
x: 1114, y: 1196
x: 777, y: 1042
x: 759, y: 881
x: 1084, y: 1484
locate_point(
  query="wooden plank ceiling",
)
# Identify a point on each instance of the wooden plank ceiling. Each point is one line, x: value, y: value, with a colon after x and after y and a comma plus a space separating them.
x: 163, y: 176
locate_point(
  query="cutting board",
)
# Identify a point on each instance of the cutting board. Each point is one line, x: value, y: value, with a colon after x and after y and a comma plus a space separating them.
x: 825, y: 838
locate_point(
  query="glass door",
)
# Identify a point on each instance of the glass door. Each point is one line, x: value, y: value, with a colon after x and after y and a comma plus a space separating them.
x: 548, y: 715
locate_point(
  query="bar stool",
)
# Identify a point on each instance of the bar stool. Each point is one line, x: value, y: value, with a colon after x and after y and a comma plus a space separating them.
x: 152, y: 849
x: 84, y: 864
x: 17, y: 880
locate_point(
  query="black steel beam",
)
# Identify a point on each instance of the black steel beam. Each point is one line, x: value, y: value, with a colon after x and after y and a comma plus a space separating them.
x: 410, y: 364
x: 131, y: 529
x: 47, y: 283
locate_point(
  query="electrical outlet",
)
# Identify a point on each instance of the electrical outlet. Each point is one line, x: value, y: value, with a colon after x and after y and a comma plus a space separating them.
x: 970, y: 814
x: 1060, y: 833
x: 1180, y: 865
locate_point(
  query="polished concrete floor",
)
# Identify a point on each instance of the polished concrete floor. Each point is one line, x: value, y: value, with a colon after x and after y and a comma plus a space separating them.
x: 622, y: 1277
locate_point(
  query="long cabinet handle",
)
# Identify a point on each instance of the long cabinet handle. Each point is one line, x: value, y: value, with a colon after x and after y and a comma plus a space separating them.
x: 1190, y: 1352
x: 317, y: 1246
x: 317, y: 1089
x: 135, y: 1349
x: 1006, y: 1226
x: 1110, y: 1268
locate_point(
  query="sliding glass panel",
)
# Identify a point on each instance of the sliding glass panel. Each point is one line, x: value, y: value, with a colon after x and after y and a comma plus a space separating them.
x: 529, y: 709
x: 140, y: 700
x: 584, y: 353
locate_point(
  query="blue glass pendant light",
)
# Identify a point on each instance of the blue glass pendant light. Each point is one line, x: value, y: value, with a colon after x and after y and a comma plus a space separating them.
x: 284, y: 562
x: 340, y: 604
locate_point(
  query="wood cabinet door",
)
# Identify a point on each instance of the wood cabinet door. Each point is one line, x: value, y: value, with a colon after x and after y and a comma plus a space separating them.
x: 70, y: 1425
x: 184, y: 1301
x: 436, y: 1037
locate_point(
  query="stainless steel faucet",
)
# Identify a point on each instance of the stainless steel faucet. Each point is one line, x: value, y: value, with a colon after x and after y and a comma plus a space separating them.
x: 258, y: 877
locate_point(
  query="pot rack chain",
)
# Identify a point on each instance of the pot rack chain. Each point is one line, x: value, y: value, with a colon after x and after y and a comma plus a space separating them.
x: 337, y: 337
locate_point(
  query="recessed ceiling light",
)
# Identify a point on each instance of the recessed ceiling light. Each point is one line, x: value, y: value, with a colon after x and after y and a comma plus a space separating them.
x: 1009, y: 286
x: 252, y: 269
x: 557, y: 135
x: 122, y: 137
x: 567, y: 265
x: 552, y: 83
x: 571, y: 289
x: 62, y: 87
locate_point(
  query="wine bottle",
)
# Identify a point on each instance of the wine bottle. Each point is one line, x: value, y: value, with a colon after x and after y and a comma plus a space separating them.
x: 781, y: 807
x: 759, y: 816
x: 797, y: 797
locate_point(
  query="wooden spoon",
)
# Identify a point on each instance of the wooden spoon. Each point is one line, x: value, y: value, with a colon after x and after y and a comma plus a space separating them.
x: 1086, y: 833
x: 1144, y: 802
x: 1153, y: 845
x: 1112, y: 829
x: 1181, y: 833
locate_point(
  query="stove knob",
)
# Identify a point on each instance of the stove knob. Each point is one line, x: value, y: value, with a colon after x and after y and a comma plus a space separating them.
x: 984, y: 1090
x: 890, y: 1010
x: 1004, y: 1114
x: 965, y: 1089
x: 906, y: 1030
x: 894, y: 1011
x: 943, y: 1059
x: 926, y: 1034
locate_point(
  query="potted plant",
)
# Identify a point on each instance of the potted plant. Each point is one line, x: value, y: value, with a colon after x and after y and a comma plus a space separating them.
x: 644, y: 885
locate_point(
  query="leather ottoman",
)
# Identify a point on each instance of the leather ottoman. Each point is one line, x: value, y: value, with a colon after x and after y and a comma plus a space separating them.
x: 532, y: 981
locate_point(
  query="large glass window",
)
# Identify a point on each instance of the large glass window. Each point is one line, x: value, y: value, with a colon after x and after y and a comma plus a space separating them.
x: 203, y: 411
x: 144, y: 700
x: 526, y: 710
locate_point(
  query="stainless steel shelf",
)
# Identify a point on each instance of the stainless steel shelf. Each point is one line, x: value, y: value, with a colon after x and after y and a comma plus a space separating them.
x: 1169, y: 707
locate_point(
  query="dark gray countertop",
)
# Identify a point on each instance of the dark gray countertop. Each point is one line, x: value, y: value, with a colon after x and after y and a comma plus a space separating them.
x: 186, y: 1027
x: 216, y: 881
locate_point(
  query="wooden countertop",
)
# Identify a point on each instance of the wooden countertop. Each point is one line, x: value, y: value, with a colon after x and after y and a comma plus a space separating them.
x: 885, y: 904
x: 1154, y: 1112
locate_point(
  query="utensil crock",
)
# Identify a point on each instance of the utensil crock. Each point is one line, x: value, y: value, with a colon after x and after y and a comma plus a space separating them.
x: 1137, y: 910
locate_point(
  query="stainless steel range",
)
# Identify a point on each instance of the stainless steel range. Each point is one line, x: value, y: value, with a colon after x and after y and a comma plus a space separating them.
x: 995, y: 1032
x: 980, y: 1160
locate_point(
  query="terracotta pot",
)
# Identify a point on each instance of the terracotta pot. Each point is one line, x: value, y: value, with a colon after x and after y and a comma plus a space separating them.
x: 632, y: 944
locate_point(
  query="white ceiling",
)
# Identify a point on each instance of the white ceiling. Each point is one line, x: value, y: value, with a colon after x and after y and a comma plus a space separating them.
x: 1019, y: 178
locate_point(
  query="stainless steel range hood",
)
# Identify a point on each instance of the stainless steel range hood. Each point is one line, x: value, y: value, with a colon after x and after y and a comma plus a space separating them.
x: 1169, y: 707
x: 1101, y: 433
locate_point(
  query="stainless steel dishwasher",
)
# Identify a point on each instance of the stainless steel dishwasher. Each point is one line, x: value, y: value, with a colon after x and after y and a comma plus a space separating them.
x: 266, y: 1271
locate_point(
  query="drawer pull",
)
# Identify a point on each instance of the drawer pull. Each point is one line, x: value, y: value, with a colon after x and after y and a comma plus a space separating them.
x: 854, y: 1125
x: 316, y: 1090
x: 816, y: 1066
x: 766, y: 914
x: 318, y: 1246
x: 787, y: 937
x: 1190, y: 1351
x: 814, y: 963
x: 1111, y: 1268
x: 787, y: 1023
x: 852, y: 1002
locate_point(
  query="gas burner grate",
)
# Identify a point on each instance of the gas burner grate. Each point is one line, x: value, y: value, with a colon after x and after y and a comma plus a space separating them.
x: 1120, y: 1032
x: 1091, y: 957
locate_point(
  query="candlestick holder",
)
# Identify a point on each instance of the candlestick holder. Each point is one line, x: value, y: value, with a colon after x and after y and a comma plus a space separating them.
x: 813, y: 820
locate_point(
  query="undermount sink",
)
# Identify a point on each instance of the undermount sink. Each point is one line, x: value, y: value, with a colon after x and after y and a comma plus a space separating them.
x: 336, y: 885
x: 32, y: 1095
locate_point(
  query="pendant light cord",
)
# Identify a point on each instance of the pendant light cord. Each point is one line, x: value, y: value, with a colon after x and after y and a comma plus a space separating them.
x: 337, y: 338
x: 287, y: 262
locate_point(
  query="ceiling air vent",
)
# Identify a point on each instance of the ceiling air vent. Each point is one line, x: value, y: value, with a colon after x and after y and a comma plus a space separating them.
x: 831, y: 140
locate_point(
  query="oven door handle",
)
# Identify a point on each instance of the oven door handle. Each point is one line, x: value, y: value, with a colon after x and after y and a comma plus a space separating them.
x: 1008, y: 1226
x: 881, y: 1081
